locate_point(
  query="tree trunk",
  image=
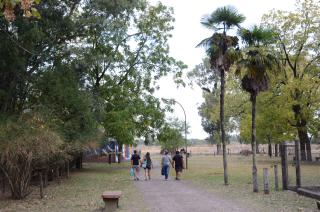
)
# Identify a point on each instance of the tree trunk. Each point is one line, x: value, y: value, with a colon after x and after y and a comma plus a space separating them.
x: 269, y: 147
x: 119, y: 153
x: 257, y: 148
x: 308, y: 149
x: 276, y: 148
x: 218, y: 149
x: 301, y: 125
x: 253, y: 141
x: 222, y: 74
x: 303, y: 148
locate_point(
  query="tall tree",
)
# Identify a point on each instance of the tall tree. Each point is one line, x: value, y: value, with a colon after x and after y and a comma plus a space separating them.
x: 221, y: 50
x: 298, y: 43
x: 125, y: 54
x: 256, y: 61
x: 30, y: 47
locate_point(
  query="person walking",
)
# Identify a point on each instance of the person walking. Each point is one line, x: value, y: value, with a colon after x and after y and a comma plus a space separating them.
x: 177, y: 164
x: 165, y: 164
x: 147, y: 165
x: 135, y: 164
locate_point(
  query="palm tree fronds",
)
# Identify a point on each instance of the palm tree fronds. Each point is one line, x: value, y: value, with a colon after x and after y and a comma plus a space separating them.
x: 205, y: 43
x: 226, y: 17
x: 257, y: 36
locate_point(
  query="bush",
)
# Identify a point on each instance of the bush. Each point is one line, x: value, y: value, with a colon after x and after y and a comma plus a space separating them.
x: 26, y: 144
x: 245, y: 152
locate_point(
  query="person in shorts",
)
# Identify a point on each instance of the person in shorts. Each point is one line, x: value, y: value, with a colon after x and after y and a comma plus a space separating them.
x: 147, y: 165
x: 135, y: 164
x: 177, y: 164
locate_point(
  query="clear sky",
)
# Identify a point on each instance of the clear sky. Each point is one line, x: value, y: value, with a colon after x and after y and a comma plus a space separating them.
x: 188, y: 33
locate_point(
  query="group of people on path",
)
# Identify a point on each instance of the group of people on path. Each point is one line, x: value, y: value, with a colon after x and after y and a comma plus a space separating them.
x: 166, y: 161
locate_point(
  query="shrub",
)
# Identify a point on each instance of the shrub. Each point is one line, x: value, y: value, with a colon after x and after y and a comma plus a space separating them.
x: 26, y: 144
x: 245, y: 152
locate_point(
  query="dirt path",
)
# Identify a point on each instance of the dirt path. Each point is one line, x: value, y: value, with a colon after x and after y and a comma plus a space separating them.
x: 180, y: 196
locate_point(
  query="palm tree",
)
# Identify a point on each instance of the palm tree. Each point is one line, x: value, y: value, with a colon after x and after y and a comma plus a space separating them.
x: 221, y: 50
x: 256, y: 62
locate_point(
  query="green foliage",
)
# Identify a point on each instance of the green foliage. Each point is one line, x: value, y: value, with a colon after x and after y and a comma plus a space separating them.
x: 67, y: 109
x: 170, y: 135
x: 170, y: 138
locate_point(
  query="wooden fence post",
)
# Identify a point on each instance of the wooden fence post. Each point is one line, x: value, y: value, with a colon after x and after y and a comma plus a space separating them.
x: 276, y: 180
x: 57, y: 174
x: 109, y: 157
x: 284, y: 164
x: 68, y: 169
x: 3, y: 180
x: 41, y: 183
x: 266, y: 181
x: 298, y: 170
x: 45, y: 181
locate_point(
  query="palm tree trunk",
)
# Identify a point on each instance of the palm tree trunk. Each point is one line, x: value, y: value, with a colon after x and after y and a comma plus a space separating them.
x: 222, y: 74
x: 253, y: 143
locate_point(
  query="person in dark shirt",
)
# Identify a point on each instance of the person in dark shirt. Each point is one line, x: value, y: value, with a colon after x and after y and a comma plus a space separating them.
x: 178, y: 164
x: 135, y: 164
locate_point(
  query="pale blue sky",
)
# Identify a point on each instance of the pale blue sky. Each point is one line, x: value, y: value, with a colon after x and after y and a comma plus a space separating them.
x: 188, y: 33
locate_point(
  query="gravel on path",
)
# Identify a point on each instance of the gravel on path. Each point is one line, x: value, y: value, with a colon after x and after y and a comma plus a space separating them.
x: 180, y: 196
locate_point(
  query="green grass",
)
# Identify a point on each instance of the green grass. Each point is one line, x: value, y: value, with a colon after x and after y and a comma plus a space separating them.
x: 207, y: 172
x: 82, y: 192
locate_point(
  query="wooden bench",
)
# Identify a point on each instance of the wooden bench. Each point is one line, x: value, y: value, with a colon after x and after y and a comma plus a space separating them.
x: 111, y: 199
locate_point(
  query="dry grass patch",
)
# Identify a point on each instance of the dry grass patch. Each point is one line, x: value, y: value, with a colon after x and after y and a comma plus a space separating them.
x: 82, y: 192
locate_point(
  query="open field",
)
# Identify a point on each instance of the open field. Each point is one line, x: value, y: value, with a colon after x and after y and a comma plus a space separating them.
x: 234, y: 149
x: 207, y: 172
x: 82, y: 192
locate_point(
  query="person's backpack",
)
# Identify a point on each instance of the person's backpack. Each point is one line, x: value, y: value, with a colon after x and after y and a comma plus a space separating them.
x: 148, y: 162
x: 144, y: 163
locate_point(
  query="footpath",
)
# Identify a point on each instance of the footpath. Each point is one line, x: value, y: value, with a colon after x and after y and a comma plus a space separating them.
x: 180, y: 196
